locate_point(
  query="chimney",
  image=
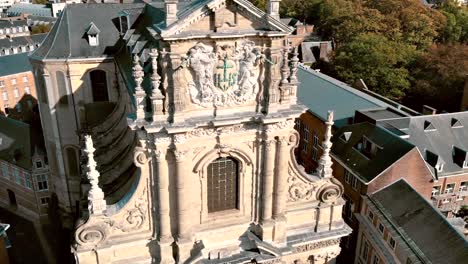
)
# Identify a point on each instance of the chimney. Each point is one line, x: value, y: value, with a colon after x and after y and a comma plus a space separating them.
x: 273, y: 8
x: 171, y: 11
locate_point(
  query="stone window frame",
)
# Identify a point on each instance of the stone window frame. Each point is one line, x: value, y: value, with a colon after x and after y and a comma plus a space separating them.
x: 244, y: 169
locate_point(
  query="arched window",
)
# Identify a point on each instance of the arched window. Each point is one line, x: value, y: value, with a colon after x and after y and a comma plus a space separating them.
x: 99, y: 86
x: 62, y: 88
x: 72, y: 161
x: 223, y: 186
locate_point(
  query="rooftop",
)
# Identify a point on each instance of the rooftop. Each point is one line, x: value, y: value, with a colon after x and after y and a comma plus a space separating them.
x: 321, y: 93
x: 428, y: 234
x: 32, y: 9
x: 22, y: 41
x: 13, y: 64
x: 15, y: 142
x: 389, y: 149
x: 13, y: 23
x: 439, y: 134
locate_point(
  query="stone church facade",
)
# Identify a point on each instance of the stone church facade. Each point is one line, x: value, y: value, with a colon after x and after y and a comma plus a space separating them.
x: 194, y: 161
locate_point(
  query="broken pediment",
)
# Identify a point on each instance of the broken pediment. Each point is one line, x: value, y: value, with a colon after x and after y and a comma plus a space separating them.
x: 224, y: 17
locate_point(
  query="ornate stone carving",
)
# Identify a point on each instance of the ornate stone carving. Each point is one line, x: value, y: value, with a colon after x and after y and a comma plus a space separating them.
x: 225, y: 76
x: 316, y: 245
x: 162, y: 138
x: 202, y: 132
x: 279, y: 125
x: 180, y: 138
x: 299, y: 190
x: 329, y: 192
x: 325, y: 163
x: 91, y: 235
x: 134, y: 218
x: 96, y: 203
x: 179, y: 154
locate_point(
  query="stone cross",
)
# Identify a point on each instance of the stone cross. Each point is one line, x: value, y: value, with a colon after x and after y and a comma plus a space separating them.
x: 96, y: 203
x: 325, y: 163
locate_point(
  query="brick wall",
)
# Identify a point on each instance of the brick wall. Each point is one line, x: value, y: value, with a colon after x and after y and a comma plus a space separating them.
x: 8, y: 86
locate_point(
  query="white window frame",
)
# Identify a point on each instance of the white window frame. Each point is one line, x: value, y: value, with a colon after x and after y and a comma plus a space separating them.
x: 40, y: 178
x: 448, y: 189
x: 5, y: 96
x: 348, y: 177
x: 314, y: 153
x: 436, y: 192
x: 25, y: 79
x: 16, y: 92
x: 390, y: 239
x: 2, y: 83
x: 13, y: 81
x: 383, y: 228
x: 305, y: 132
x: 463, y: 186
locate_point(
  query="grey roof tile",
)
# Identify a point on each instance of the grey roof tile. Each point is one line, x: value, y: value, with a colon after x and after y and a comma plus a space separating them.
x: 422, y: 226
x: 12, y: 64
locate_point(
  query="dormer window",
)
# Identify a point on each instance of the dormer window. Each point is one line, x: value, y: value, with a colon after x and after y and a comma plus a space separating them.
x: 435, y: 160
x: 428, y: 126
x: 460, y: 157
x: 367, y: 147
x: 455, y: 123
x: 38, y: 164
x: 93, y: 34
x: 124, y: 20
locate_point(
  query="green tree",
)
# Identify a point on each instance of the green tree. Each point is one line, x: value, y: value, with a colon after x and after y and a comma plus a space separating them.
x: 456, y: 28
x: 41, y: 28
x: 380, y: 62
x: 439, y: 76
x: 42, y: 2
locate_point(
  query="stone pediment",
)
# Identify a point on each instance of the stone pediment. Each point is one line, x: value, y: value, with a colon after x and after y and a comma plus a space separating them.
x: 222, y: 18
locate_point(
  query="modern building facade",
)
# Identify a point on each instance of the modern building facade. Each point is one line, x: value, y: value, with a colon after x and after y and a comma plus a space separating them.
x: 189, y: 112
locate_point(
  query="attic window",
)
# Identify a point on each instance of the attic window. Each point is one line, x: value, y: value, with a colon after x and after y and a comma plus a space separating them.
x: 455, y: 123
x: 345, y: 136
x: 124, y: 22
x: 93, y: 34
x: 434, y: 160
x: 367, y: 147
x: 460, y: 157
x: 428, y: 126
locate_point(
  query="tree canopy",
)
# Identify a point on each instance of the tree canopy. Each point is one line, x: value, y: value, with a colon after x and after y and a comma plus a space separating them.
x: 400, y: 48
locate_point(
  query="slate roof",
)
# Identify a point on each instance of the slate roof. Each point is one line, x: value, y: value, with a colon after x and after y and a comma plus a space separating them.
x: 321, y: 93
x: 439, y: 137
x: 425, y: 230
x: 13, y: 23
x: 22, y: 41
x: 12, y: 64
x: 16, y: 142
x: 67, y: 39
x: 33, y: 9
x: 392, y: 149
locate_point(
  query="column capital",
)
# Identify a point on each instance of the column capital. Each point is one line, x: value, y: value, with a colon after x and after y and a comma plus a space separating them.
x: 179, y: 154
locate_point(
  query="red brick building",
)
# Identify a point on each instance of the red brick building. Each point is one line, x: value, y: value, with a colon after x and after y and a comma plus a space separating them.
x: 368, y: 158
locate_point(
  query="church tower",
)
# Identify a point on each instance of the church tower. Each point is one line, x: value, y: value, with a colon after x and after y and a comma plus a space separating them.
x: 212, y: 92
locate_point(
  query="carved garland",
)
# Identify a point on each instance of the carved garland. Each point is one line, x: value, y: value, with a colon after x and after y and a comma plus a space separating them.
x: 299, y: 190
x: 134, y: 218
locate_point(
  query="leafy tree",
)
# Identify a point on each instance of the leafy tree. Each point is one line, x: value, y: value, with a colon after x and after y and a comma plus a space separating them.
x: 42, y: 2
x: 456, y: 28
x: 41, y: 28
x: 439, y: 76
x: 380, y: 62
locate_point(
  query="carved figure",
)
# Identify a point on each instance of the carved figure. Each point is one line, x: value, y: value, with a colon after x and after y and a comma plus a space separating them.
x: 226, y: 76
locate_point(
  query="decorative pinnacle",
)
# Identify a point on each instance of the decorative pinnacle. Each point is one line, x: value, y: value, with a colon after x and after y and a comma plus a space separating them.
x: 325, y: 163
x: 96, y: 203
x: 155, y: 78
x: 137, y: 72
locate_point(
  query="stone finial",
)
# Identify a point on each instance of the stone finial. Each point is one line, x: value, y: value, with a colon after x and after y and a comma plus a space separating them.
x: 138, y: 74
x: 285, y: 67
x: 294, y: 64
x: 273, y: 8
x: 96, y: 203
x: 155, y: 78
x: 325, y: 163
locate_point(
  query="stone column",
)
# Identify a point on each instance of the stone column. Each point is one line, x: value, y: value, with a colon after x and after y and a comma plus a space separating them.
x: 165, y: 235
x: 184, y: 239
x: 266, y: 232
x: 281, y: 181
x: 281, y: 177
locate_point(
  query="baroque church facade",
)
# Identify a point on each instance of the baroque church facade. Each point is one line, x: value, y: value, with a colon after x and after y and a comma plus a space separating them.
x: 185, y: 114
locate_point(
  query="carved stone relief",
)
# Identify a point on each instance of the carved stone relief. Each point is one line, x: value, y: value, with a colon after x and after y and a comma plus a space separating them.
x: 316, y: 245
x: 224, y: 76
x: 299, y: 190
x: 135, y: 217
